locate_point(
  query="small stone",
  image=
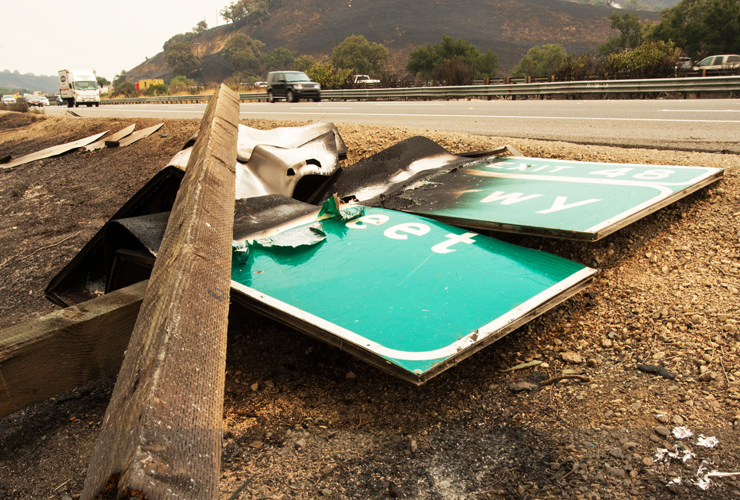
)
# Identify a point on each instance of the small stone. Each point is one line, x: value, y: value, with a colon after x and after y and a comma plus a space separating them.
x: 615, y: 471
x: 629, y: 445
x: 663, y: 419
x: 66, y: 497
x: 647, y: 461
x: 350, y: 374
x: 413, y: 446
x: 255, y: 387
x: 662, y: 431
x: 256, y: 444
x: 707, y: 377
x: 677, y: 420
x: 616, y: 452
x: 606, y: 343
x: 269, y: 384
x: 592, y: 362
x: 608, y: 413
x: 522, y: 386
x: 325, y: 492
x: 571, y: 357
x: 300, y: 444
x: 696, y: 319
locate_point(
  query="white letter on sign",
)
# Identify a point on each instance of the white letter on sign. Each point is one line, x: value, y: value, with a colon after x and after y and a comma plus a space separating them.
x: 508, y: 199
x: 444, y: 247
x: 409, y: 227
x: 375, y: 219
x: 560, y: 204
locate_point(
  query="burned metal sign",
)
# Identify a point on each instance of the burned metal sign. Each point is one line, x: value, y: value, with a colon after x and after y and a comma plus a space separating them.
x: 558, y: 198
x: 396, y: 285
x: 405, y: 293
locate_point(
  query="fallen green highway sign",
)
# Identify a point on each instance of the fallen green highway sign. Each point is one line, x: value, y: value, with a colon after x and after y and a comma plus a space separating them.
x: 565, y: 199
x: 405, y: 293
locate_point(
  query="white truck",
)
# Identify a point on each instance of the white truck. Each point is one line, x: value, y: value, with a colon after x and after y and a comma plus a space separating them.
x: 79, y: 86
x: 364, y: 81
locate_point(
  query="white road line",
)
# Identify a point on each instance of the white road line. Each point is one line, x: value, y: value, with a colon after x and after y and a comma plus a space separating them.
x: 701, y: 110
x: 473, y: 116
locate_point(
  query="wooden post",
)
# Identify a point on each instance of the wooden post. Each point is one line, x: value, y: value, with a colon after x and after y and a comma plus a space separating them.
x: 161, y: 435
x: 67, y: 348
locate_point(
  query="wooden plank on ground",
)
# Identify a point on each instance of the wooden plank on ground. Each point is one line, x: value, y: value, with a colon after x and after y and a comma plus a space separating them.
x: 161, y: 435
x: 67, y: 348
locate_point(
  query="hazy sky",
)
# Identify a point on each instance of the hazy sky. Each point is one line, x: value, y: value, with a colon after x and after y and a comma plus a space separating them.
x: 42, y: 37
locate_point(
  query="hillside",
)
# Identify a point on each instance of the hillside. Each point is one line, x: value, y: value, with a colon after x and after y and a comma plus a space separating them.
x: 507, y: 27
x: 16, y: 81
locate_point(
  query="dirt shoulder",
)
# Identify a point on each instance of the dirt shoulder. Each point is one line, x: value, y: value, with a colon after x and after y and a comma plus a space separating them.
x: 304, y: 420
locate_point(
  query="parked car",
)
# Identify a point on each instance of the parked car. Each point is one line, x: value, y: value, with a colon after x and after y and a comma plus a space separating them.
x: 684, y: 64
x: 8, y: 99
x: 730, y: 62
x: 292, y: 86
x: 260, y: 85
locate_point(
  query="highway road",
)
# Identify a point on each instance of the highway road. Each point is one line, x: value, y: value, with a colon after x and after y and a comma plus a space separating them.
x: 711, y: 125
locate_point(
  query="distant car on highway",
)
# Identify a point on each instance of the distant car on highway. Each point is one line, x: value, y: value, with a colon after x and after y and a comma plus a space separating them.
x: 8, y: 99
x: 729, y: 62
x: 291, y: 85
x: 35, y: 100
x: 365, y: 80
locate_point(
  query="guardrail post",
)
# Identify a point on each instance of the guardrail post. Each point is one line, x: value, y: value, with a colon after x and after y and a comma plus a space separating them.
x: 161, y: 434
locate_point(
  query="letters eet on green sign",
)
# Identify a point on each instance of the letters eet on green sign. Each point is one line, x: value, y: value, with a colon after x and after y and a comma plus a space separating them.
x: 409, y: 290
x: 579, y: 200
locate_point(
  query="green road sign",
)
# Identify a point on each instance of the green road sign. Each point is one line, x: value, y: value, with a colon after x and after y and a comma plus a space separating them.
x: 576, y: 200
x: 408, y: 294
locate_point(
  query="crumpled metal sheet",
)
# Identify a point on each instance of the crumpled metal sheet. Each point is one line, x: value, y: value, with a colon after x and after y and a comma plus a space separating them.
x: 286, y: 137
x: 115, y: 137
x: 138, y: 135
x: 53, y: 151
x: 277, y: 170
x: 298, y: 164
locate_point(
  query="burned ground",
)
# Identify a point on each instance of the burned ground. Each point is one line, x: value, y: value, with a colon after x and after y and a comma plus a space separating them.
x: 304, y: 420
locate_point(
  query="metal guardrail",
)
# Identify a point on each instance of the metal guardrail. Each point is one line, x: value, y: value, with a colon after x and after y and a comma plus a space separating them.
x: 699, y: 84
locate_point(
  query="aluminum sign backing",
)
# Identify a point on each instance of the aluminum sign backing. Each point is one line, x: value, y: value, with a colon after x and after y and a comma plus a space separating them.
x: 405, y: 293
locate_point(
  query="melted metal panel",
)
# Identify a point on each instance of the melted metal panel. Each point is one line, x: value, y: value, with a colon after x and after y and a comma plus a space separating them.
x: 53, y: 151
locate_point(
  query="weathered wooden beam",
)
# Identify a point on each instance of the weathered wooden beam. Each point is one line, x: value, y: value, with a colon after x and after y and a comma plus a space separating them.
x: 161, y: 435
x: 67, y: 348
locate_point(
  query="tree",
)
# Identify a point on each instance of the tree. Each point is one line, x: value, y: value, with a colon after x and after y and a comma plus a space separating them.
x: 701, y: 27
x: 125, y: 88
x: 201, y: 27
x: 540, y: 62
x: 243, y: 53
x: 120, y: 78
x: 278, y: 59
x: 178, y: 54
x: 631, y: 33
x: 357, y: 54
x: 424, y: 62
x: 328, y: 76
x: 180, y: 84
x: 243, y: 11
x: 102, y: 81
x: 455, y: 71
x: 302, y: 63
x: 649, y: 60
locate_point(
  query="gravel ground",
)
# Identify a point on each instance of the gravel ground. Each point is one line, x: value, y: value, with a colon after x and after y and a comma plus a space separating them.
x: 303, y: 420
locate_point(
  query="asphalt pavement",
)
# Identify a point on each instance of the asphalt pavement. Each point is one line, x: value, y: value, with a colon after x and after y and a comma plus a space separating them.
x: 710, y: 125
